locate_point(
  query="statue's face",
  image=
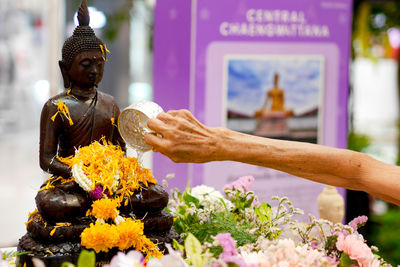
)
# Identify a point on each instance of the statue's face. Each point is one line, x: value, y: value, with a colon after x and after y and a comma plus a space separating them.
x: 87, y: 69
x: 276, y: 79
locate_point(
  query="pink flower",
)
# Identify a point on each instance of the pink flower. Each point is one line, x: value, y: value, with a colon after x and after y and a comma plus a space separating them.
x: 98, y: 193
x: 243, y: 183
x: 227, y: 243
x: 354, y: 246
x: 229, y: 253
x: 358, y: 222
x: 132, y: 258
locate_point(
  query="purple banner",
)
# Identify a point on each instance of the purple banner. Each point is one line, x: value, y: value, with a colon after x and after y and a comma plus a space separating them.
x: 227, y: 61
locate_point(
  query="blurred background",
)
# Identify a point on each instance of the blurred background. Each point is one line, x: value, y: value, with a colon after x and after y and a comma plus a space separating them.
x: 31, y: 36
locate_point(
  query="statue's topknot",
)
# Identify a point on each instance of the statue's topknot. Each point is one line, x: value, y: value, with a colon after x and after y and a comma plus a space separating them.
x: 83, y: 14
x: 83, y: 38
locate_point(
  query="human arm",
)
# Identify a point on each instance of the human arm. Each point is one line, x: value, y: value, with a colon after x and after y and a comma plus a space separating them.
x: 49, y: 131
x: 185, y: 139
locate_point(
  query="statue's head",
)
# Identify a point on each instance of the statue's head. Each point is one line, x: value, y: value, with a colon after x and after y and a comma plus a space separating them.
x: 276, y: 79
x: 83, y: 54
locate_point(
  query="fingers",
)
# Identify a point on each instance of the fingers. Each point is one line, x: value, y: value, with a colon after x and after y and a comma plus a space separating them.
x: 182, y: 113
x: 154, y: 140
x: 182, y: 117
x: 157, y: 125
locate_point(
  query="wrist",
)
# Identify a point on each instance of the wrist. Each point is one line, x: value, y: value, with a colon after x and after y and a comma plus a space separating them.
x: 224, y: 142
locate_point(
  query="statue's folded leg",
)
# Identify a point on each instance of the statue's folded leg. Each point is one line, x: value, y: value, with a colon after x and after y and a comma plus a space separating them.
x: 59, y: 205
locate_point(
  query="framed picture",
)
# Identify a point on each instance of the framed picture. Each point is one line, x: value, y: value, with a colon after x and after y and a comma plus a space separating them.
x: 277, y: 96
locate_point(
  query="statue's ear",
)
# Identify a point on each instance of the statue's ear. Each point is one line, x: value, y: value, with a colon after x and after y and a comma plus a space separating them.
x: 64, y: 73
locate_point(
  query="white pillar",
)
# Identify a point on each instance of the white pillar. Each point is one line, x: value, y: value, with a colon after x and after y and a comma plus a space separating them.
x: 56, y: 23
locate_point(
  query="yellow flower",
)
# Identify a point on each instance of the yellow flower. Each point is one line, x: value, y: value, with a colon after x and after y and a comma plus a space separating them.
x: 100, y: 237
x: 130, y: 233
x: 30, y: 216
x: 126, y: 235
x: 151, y: 249
x: 105, y: 208
x: 63, y: 109
x: 106, y: 165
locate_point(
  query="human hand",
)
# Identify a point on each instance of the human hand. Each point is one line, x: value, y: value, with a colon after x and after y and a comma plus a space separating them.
x: 182, y: 138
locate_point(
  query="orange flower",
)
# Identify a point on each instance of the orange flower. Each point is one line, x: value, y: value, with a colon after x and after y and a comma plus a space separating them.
x: 130, y: 233
x: 100, y: 237
x: 106, y: 165
x: 105, y: 208
x: 126, y: 235
x: 63, y: 109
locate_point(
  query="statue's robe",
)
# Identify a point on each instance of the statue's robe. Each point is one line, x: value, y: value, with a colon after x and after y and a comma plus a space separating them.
x: 98, y: 121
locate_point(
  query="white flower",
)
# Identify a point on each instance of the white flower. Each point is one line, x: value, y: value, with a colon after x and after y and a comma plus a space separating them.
x: 173, y: 259
x: 132, y: 259
x: 255, y: 258
x: 154, y: 262
x: 210, y: 198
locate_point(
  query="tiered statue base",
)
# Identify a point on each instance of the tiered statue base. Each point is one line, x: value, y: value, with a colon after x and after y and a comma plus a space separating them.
x: 69, y: 251
x: 54, y: 230
x: 60, y: 252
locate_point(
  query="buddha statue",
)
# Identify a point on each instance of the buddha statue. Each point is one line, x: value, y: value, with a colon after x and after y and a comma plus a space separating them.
x: 277, y: 96
x: 75, y: 118
x: 272, y: 116
x: 274, y: 101
x: 71, y: 120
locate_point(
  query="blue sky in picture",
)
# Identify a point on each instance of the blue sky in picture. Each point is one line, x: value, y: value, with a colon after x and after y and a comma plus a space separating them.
x: 249, y: 79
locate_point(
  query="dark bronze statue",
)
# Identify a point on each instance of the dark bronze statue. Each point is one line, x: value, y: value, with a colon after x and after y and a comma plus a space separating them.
x: 92, y: 112
x: 70, y: 120
x: 75, y: 118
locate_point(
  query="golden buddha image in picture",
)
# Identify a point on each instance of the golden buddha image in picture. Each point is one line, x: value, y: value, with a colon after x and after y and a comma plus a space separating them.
x: 272, y: 115
x: 274, y: 101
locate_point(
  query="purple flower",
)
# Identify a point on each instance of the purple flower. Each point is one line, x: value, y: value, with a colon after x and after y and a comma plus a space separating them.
x: 358, y: 222
x: 314, y: 244
x: 97, y: 193
x: 243, y: 183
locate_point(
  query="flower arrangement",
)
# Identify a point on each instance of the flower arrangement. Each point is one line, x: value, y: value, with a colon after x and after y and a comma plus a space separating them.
x: 235, y: 229
x: 103, y: 170
x: 125, y: 235
x: 246, y: 232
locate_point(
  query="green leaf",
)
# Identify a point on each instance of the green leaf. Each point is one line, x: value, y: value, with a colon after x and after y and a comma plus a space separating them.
x: 345, y: 260
x: 193, y: 250
x: 264, y: 212
x: 167, y: 209
x: 20, y: 253
x: 177, y: 246
x: 67, y: 264
x: 87, y: 259
x: 190, y: 199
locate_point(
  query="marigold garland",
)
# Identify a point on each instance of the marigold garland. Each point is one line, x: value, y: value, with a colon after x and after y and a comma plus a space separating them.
x: 100, y: 237
x: 128, y: 234
x: 106, y: 165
